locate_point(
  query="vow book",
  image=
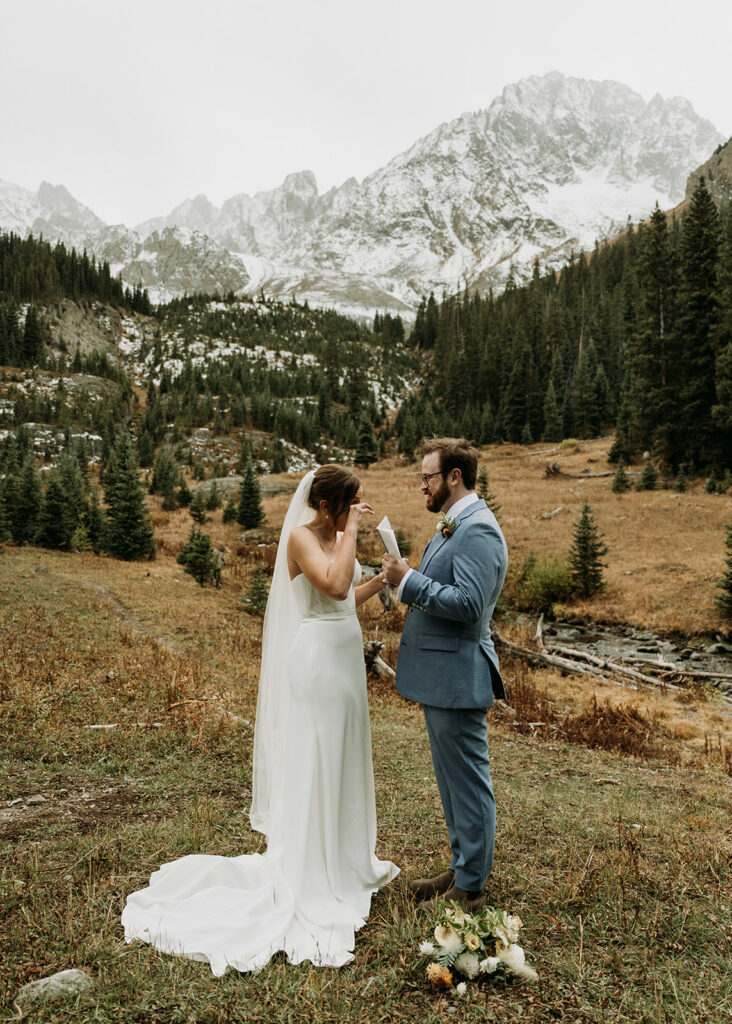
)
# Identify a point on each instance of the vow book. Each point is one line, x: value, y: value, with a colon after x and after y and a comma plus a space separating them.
x: 388, y: 538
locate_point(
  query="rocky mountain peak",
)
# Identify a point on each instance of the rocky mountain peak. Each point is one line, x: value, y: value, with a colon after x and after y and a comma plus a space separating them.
x: 551, y: 165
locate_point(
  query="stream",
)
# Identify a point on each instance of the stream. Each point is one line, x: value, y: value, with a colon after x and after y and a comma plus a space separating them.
x: 638, y: 647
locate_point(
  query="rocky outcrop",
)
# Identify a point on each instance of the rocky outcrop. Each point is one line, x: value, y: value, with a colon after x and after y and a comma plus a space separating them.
x: 553, y: 164
x: 717, y: 172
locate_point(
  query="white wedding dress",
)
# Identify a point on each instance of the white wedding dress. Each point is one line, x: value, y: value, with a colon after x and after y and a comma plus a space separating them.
x: 311, y: 890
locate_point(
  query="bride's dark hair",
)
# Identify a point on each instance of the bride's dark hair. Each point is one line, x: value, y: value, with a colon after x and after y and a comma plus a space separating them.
x: 336, y: 485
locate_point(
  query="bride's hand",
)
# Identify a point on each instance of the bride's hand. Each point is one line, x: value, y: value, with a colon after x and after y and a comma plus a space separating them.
x: 355, y: 515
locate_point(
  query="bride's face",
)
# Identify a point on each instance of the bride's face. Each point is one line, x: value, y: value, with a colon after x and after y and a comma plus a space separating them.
x: 340, y: 524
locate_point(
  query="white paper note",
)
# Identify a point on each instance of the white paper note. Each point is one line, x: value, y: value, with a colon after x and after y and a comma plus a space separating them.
x: 388, y: 539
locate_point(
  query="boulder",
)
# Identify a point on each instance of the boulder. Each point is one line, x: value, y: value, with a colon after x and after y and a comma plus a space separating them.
x: 55, y: 987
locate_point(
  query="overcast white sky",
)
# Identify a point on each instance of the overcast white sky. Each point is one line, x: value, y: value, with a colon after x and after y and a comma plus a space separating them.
x: 137, y: 105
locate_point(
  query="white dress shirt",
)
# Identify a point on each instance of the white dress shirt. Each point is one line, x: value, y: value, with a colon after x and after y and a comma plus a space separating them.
x: 452, y: 512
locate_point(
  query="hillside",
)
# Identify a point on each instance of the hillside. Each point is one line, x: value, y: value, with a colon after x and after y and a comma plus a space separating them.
x: 129, y: 722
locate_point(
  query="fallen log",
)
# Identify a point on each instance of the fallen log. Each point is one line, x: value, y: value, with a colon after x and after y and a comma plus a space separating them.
x: 613, y: 666
x: 374, y: 662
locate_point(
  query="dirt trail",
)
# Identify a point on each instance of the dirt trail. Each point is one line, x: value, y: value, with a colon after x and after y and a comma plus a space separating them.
x: 126, y: 614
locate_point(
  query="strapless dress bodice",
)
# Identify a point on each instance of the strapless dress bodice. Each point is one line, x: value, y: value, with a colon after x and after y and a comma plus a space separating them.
x: 315, y: 605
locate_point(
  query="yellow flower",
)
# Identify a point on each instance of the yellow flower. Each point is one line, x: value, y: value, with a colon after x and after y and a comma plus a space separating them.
x: 439, y: 976
x: 472, y: 941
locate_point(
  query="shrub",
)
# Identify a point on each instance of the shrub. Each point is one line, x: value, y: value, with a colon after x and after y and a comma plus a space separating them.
x: 255, y: 599
x: 541, y: 582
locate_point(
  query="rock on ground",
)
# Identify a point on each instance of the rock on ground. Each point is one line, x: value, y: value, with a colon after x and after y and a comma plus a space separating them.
x: 56, y: 986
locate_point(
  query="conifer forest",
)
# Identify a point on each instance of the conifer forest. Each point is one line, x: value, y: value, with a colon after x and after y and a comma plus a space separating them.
x: 635, y: 338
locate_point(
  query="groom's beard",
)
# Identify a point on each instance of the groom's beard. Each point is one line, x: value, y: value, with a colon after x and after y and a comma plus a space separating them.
x: 437, y: 500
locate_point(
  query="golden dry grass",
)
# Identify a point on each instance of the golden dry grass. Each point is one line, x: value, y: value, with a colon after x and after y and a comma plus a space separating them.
x: 618, y: 866
x: 666, y: 550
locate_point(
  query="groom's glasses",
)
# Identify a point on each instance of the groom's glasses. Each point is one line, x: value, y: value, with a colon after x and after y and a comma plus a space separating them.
x: 426, y: 476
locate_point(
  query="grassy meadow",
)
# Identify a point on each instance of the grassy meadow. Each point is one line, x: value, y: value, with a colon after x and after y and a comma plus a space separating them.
x: 127, y: 698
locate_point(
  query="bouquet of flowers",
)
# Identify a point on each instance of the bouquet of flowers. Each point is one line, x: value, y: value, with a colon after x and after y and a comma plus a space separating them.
x: 474, y: 946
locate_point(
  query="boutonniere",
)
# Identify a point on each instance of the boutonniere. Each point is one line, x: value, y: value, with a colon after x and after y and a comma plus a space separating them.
x: 446, y: 526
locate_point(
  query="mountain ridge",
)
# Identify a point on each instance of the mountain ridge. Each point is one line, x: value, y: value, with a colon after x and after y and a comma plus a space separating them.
x: 551, y: 165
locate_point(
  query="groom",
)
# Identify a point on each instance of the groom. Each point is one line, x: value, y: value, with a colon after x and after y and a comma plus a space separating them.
x: 447, y: 661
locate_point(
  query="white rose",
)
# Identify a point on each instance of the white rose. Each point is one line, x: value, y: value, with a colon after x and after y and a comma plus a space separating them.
x: 448, y: 938
x: 489, y: 965
x: 514, y: 959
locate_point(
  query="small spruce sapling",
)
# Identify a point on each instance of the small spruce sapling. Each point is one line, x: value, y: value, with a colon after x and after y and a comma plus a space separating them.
x: 586, y: 555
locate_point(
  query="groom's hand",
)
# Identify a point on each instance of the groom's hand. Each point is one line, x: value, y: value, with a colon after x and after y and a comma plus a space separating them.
x: 395, y: 569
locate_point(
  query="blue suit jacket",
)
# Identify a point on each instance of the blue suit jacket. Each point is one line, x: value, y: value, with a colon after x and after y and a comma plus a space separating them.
x: 446, y: 656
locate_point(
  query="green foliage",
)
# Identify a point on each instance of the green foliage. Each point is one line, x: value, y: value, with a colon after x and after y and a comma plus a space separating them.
x: 405, y: 545
x: 255, y: 599
x: 214, y: 500
x: 230, y: 510
x: 621, y: 480
x: 638, y: 333
x: 712, y: 485
x: 198, y: 557
x: 723, y: 600
x: 681, y: 481
x: 366, y: 449
x: 197, y: 508
x: 586, y: 555
x: 128, y: 533
x: 250, y: 512
x: 541, y: 582
x: 32, y: 270
x: 483, y: 491
x: 649, y: 477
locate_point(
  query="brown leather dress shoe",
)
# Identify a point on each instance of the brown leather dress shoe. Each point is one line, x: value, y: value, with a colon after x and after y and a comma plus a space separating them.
x: 470, y: 901
x: 424, y: 888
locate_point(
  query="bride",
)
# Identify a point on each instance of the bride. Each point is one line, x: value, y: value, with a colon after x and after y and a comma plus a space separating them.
x: 313, y: 785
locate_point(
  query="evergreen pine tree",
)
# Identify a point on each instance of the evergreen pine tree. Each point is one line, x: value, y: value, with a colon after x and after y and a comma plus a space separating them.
x: 366, y: 450
x: 95, y: 522
x: 214, y: 500
x: 197, y: 509
x: 74, y: 487
x: 711, y: 484
x: 128, y: 531
x: 648, y: 478
x: 621, y: 482
x: 145, y: 448
x: 55, y: 521
x: 586, y: 555
x: 484, y: 491
x: 723, y: 599
x: 230, y: 510
x: 250, y: 513
x: 699, y: 248
x: 652, y: 355
x: 721, y: 336
x: 4, y: 517
x: 255, y: 599
x: 32, y: 347
x: 681, y: 481
x: 552, y: 415
x: 27, y: 507
x: 198, y: 559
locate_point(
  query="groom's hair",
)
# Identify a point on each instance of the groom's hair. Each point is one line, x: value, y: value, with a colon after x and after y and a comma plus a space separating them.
x: 455, y: 453
x: 336, y: 485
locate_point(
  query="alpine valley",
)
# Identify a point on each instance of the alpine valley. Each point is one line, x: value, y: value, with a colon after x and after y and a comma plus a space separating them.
x: 551, y: 166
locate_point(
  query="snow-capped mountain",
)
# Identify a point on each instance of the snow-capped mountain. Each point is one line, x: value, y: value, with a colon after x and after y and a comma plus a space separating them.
x: 553, y: 164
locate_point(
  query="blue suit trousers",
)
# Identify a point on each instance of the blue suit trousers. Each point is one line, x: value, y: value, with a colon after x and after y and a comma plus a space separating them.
x: 459, y: 745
